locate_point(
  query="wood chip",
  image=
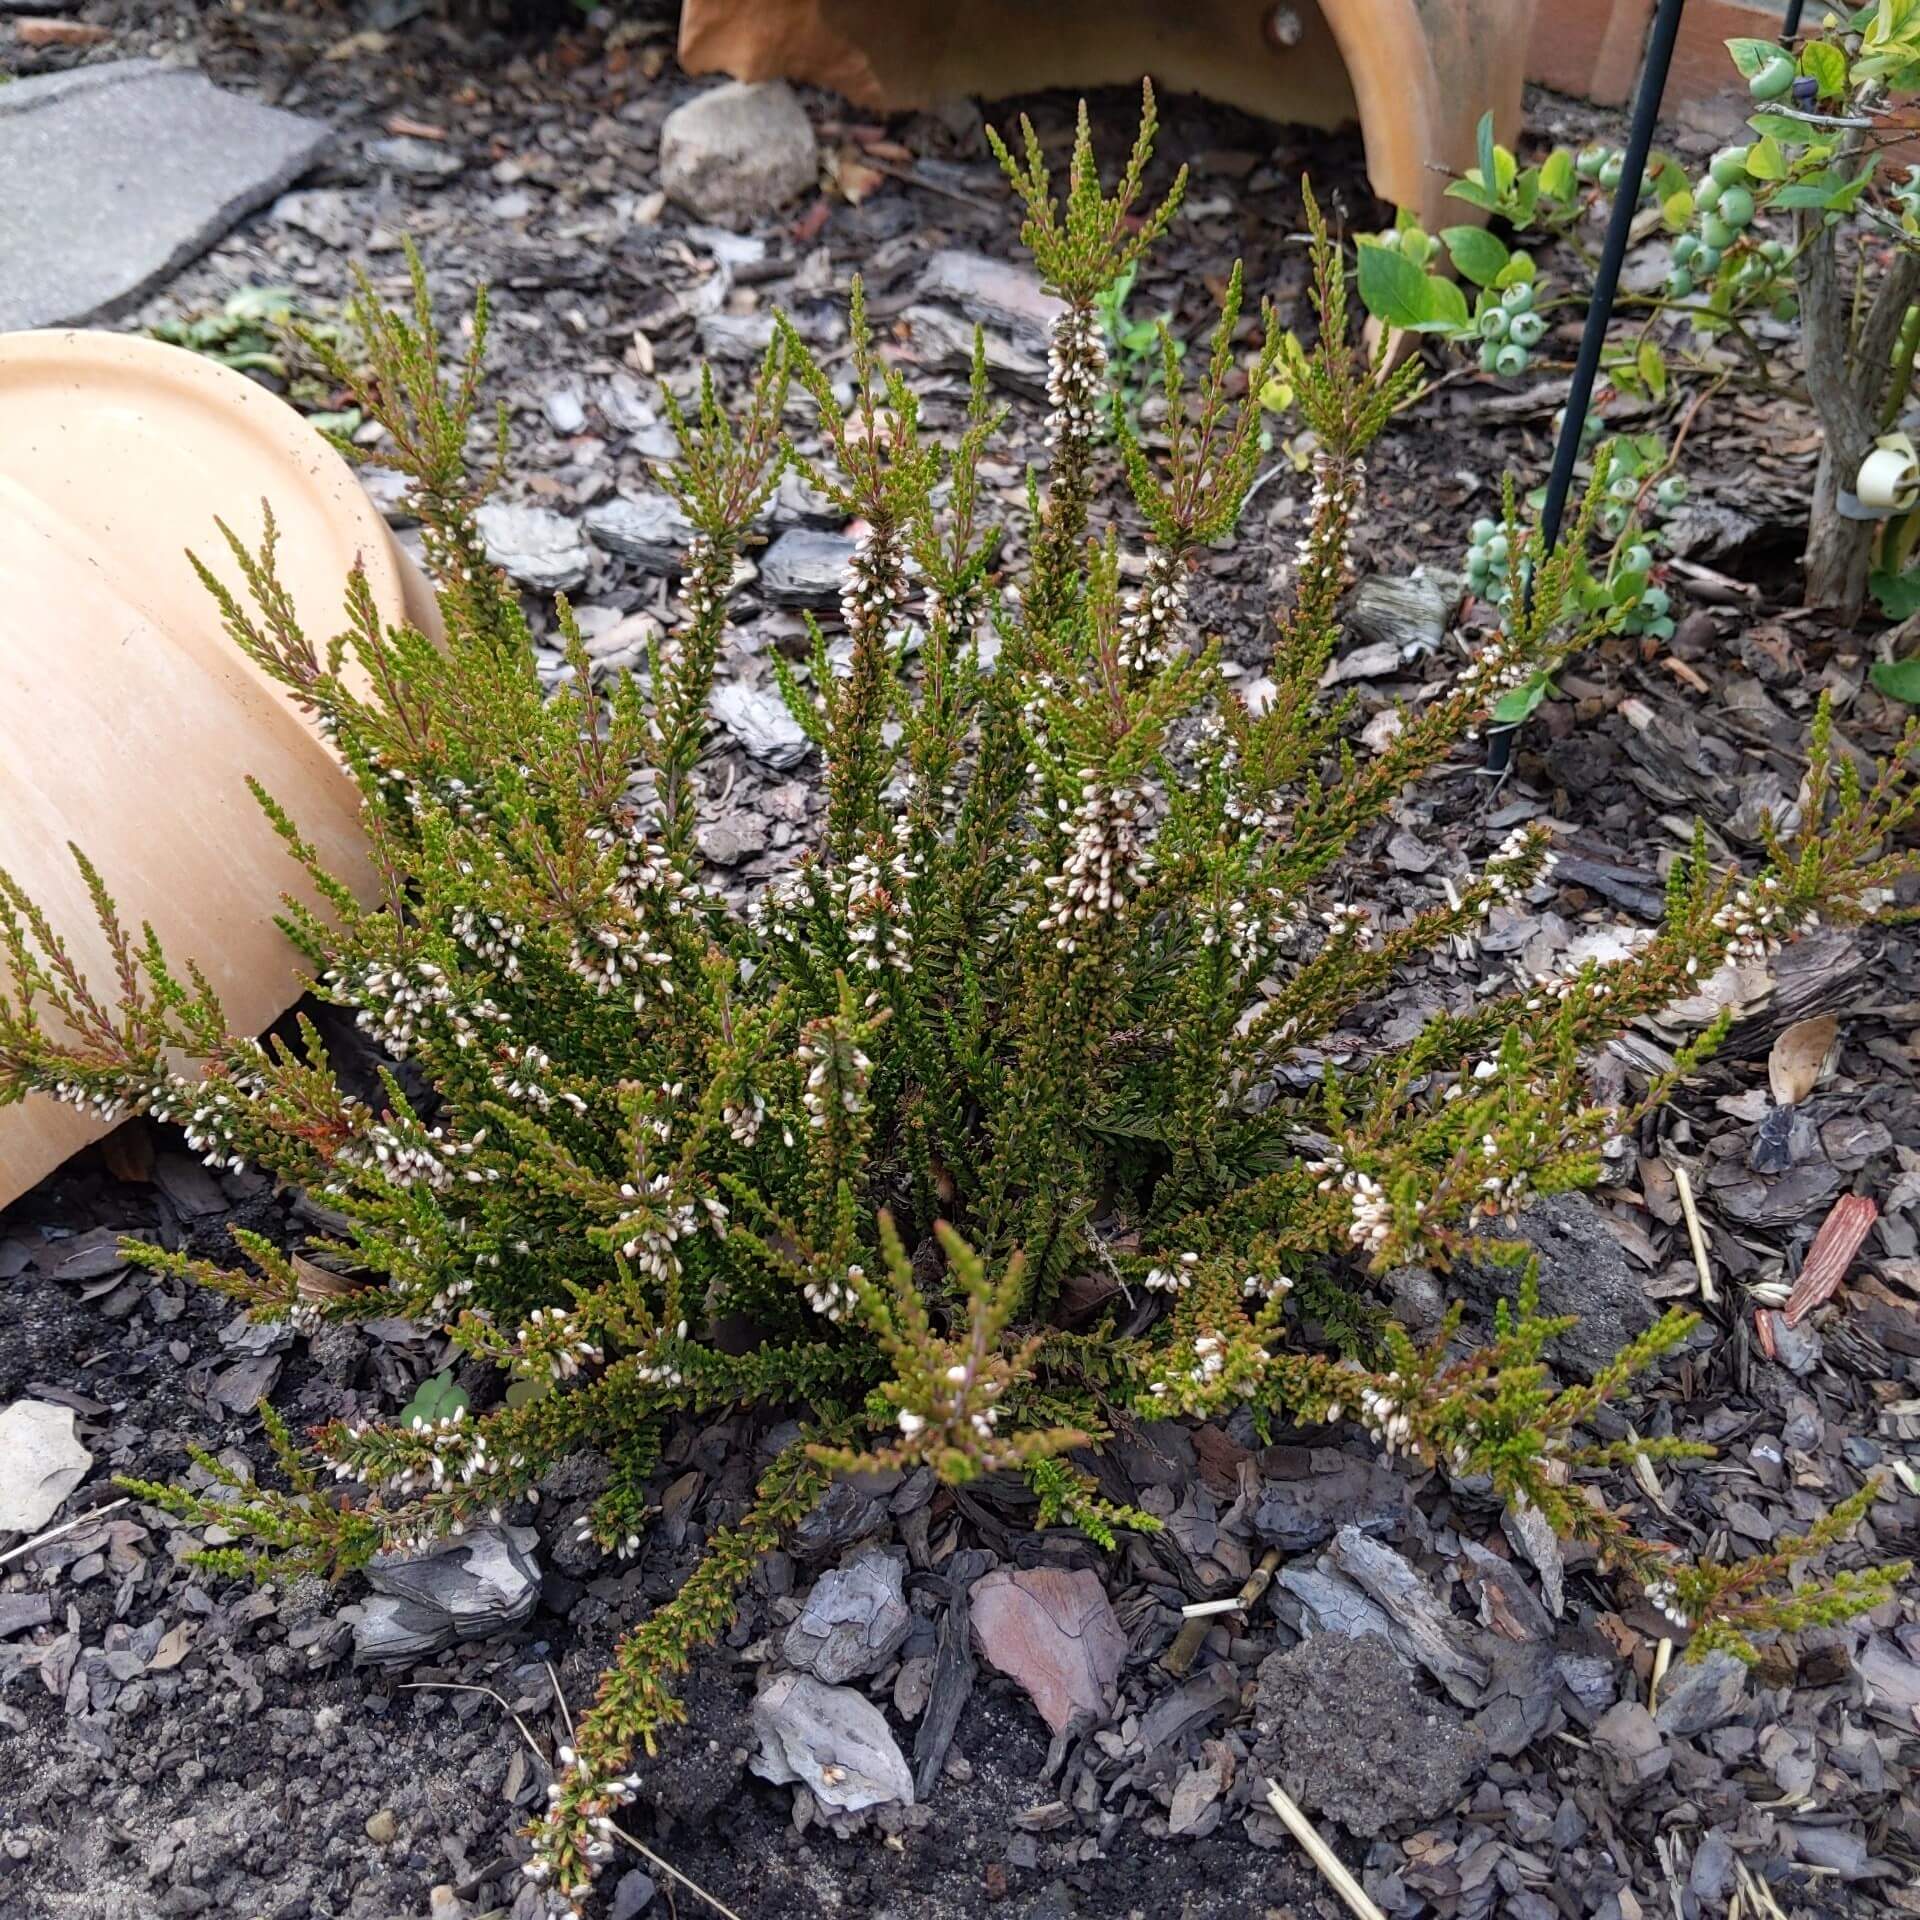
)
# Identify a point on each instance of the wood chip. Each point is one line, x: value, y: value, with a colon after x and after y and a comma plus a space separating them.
x: 1831, y: 1254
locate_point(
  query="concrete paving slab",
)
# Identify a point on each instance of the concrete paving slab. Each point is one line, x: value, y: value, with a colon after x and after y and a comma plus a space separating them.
x: 119, y: 174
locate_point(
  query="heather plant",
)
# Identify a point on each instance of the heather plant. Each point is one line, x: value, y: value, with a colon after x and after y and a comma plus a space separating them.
x: 1014, y: 1035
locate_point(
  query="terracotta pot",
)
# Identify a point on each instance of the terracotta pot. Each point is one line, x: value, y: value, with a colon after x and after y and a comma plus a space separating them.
x: 128, y: 720
x: 1416, y: 74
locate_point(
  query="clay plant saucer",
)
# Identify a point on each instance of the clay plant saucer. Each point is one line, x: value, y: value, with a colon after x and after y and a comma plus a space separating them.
x: 129, y: 721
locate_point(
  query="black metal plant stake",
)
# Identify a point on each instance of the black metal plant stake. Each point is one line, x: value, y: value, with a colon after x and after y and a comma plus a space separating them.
x: 1606, y: 281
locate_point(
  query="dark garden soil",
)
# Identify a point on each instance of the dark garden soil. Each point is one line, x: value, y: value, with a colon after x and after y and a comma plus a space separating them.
x: 179, y: 1745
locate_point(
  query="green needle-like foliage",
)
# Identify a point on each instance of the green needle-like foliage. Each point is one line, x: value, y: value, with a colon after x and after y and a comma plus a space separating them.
x: 1022, y: 1019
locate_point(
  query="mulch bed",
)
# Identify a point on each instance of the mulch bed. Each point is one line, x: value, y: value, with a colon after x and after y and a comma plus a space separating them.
x: 187, y: 1746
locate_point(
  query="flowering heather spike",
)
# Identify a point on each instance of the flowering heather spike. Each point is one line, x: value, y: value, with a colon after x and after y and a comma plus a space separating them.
x: 1024, y: 1014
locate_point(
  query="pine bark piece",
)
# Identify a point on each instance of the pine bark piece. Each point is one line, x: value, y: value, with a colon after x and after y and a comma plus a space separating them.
x: 1054, y: 1632
x: 854, y: 1619
x: 953, y: 1672
x: 1831, y: 1254
x: 1423, y: 1630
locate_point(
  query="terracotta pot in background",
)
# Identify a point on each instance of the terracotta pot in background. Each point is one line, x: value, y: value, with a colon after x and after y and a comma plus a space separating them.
x: 1416, y: 74
x: 129, y: 722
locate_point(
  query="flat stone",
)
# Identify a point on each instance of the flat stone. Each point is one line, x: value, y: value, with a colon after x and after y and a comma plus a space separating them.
x: 806, y: 567
x: 539, y: 548
x: 997, y: 293
x: 833, y: 1741
x: 1052, y: 1629
x: 463, y: 1588
x: 124, y: 172
x: 758, y: 718
x: 854, y: 1620
x: 427, y: 161
x: 1342, y: 1728
x: 728, y: 841
x: 41, y: 1462
x: 1702, y: 1694
x: 738, y: 151
x: 1632, y: 1753
x: 647, y: 528
x: 1583, y: 1271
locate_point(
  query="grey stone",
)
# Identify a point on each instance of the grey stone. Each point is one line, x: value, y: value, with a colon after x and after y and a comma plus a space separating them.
x: 632, y: 1894
x: 738, y: 151
x: 121, y: 173
x: 566, y: 411
x: 539, y: 548
x: 1702, y: 1694
x: 758, y: 718
x: 1632, y: 1753
x: 463, y: 1588
x: 19, y: 1611
x: 1411, y: 615
x: 41, y: 1462
x: 997, y: 293
x: 943, y: 343
x: 1583, y: 1271
x: 326, y: 214
x: 1711, y: 1877
x: 853, y: 1621
x: 647, y: 528
x: 1340, y: 1726
x: 429, y: 162
x: 795, y: 504
x: 806, y: 567
x: 731, y: 839
x: 833, y: 1741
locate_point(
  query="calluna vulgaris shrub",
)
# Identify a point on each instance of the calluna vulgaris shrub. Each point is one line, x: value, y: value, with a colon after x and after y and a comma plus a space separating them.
x: 1020, y: 1017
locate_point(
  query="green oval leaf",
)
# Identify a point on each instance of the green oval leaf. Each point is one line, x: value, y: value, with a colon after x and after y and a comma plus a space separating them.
x: 1897, y: 679
x: 1476, y: 253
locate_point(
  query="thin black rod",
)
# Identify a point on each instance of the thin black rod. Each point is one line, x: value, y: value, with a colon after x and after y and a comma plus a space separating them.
x: 1606, y: 282
x: 1793, y: 19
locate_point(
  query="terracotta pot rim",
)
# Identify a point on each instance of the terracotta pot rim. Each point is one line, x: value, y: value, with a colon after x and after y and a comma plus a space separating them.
x: 85, y: 354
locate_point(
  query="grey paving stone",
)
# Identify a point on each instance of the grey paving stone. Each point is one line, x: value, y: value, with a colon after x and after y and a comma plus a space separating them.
x: 119, y: 174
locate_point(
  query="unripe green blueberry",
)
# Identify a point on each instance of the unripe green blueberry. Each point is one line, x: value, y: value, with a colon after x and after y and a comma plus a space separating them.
x: 1390, y: 239
x: 1655, y: 601
x: 1611, y: 169
x: 1484, y: 530
x: 1679, y: 284
x: 1672, y: 490
x: 1661, y: 629
x: 1518, y: 298
x: 1624, y: 488
x: 1716, y: 233
x: 1489, y: 353
x: 1527, y: 330
x: 1510, y: 361
x: 1612, y: 522
x: 1588, y: 162
x: 1730, y: 166
x: 1638, y: 558
x: 1706, y: 263
x: 1774, y: 252
x: 1774, y: 78
x: 1493, y: 323
x: 1736, y: 207
x: 1685, y: 246
x: 1706, y: 196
